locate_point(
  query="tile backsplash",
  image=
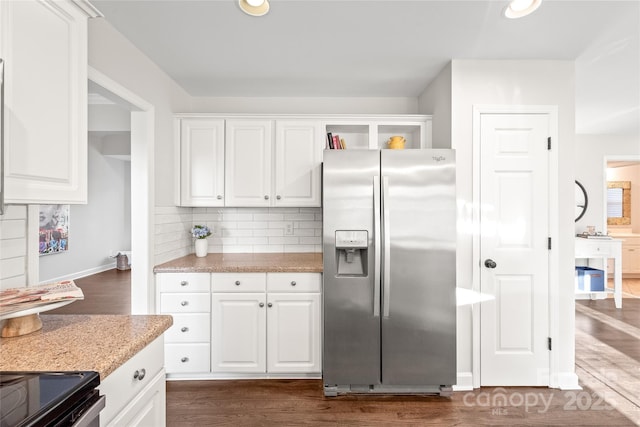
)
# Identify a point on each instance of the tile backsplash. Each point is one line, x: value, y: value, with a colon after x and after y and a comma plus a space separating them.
x: 246, y: 230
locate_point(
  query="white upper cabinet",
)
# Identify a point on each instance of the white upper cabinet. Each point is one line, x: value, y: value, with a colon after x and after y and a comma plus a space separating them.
x: 44, y: 48
x: 298, y: 159
x: 248, y: 155
x: 201, y: 162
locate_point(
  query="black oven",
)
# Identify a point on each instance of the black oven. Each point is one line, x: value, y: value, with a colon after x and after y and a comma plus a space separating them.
x: 56, y: 399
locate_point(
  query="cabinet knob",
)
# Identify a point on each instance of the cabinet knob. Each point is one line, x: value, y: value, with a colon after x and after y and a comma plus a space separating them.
x: 219, y: 197
x: 184, y: 359
x: 237, y: 282
x: 278, y: 197
x: 184, y: 329
x: 261, y: 304
x: 184, y: 303
x: 266, y: 197
x: 269, y: 305
x: 139, y: 374
x: 184, y: 283
x: 293, y: 283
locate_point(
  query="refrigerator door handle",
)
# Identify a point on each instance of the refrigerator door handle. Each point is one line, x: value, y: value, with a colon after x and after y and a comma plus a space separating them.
x: 376, y: 246
x: 386, y: 256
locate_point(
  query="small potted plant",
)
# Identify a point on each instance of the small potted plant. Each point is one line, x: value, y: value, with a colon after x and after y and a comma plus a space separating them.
x: 200, y: 233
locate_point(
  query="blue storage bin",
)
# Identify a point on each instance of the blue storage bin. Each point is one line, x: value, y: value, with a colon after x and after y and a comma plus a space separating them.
x: 589, y: 279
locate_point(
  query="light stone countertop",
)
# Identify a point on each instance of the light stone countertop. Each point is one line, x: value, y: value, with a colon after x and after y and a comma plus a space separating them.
x: 244, y: 263
x: 83, y: 342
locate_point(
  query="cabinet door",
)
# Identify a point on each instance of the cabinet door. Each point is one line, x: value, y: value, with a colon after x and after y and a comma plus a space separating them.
x: 148, y: 408
x: 201, y: 162
x: 293, y: 331
x: 248, y: 162
x: 630, y: 259
x: 298, y: 156
x: 238, y: 332
x: 44, y: 47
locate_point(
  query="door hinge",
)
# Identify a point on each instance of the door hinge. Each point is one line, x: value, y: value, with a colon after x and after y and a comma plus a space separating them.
x: 549, y: 143
x: 549, y: 343
x: 549, y: 243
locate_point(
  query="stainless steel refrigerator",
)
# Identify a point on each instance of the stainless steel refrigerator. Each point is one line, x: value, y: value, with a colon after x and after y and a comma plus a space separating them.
x: 389, y: 250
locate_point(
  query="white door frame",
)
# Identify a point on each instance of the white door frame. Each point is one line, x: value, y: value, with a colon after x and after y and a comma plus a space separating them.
x: 142, y: 193
x: 552, y: 111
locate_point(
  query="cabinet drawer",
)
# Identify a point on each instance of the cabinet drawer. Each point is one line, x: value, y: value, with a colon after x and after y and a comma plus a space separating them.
x: 238, y: 282
x: 293, y: 282
x: 587, y: 249
x: 189, y: 328
x: 184, y: 282
x: 184, y: 303
x: 121, y: 386
x: 183, y: 358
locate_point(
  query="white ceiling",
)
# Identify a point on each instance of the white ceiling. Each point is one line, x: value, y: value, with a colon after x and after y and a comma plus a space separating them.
x: 386, y: 48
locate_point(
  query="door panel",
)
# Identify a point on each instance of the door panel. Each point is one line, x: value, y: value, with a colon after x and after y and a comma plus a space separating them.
x: 351, y: 344
x: 419, y: 316
x: 514, y: 234
x: 248, y: 162
x: 238, y: 332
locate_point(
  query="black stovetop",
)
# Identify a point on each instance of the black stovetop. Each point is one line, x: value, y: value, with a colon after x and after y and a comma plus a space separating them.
x: 40, y: 398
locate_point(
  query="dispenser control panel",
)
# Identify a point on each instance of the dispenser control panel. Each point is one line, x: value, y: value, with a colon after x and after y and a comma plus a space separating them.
x: 356, y: 239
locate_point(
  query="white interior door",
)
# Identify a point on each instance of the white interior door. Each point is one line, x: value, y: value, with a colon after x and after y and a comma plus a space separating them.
x: 514, y: 221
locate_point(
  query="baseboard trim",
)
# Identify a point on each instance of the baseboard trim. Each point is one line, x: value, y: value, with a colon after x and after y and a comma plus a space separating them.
x: 568, y: 381
x: 464, y: 382
x: 80, y: 274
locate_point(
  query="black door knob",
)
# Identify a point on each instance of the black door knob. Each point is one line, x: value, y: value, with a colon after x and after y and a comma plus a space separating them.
x: 489, y: 263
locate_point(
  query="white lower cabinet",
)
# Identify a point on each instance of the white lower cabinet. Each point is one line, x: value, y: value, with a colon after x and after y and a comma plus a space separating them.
x: 266, y: 323
x: 136, y: 391
x: 243, y: 324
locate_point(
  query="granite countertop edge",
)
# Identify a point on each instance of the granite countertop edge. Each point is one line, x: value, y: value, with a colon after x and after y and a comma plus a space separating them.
x: 82, y: 342
x: 245, y: 263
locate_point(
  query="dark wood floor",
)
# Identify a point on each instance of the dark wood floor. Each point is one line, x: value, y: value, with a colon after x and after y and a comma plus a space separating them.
x: 606, y: 338
x: 108, y: 292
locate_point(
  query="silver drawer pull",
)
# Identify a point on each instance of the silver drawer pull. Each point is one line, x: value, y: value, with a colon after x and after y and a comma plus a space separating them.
x: 184, y: 283
x: 219, y: 197
x: 269, y: 305
x: 139, y: 374
x: 237, y: 282
x: 184, y: 303
x: 278, y: 197
x: 184, y: 329
x: 293, y: 283
x: 184, y: 359
x: 261, y: 304
x: 266, y: 197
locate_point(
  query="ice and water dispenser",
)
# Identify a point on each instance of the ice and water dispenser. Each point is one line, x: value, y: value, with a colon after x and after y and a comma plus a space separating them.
x: 351, y: 252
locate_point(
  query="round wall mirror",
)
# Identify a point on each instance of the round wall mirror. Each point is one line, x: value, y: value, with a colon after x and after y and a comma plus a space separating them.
x: 582, y: 201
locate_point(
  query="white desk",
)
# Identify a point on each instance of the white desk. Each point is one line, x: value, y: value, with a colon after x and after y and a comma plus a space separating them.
x: 603, y: 249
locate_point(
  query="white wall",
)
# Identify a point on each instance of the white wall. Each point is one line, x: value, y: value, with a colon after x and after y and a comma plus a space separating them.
x: 304, y: 105
x: 497, y: 82
x: 436, y: 100
x: 590, y: 152
x: 114, y: 56
x: 101, y: 226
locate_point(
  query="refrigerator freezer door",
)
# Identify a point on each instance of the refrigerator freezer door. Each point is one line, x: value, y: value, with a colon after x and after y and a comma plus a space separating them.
x: 351, y: 345
x: 419, y: 304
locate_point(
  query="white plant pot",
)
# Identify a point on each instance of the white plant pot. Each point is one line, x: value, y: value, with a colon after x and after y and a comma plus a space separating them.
x: 202, y: 247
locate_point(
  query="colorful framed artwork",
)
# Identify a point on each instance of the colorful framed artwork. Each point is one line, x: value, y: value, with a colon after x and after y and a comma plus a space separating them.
x: 54, y: 229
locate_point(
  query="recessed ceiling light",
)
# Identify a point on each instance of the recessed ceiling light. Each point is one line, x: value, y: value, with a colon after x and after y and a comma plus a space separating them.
x: 254, y: 7
x: 520, y: 8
